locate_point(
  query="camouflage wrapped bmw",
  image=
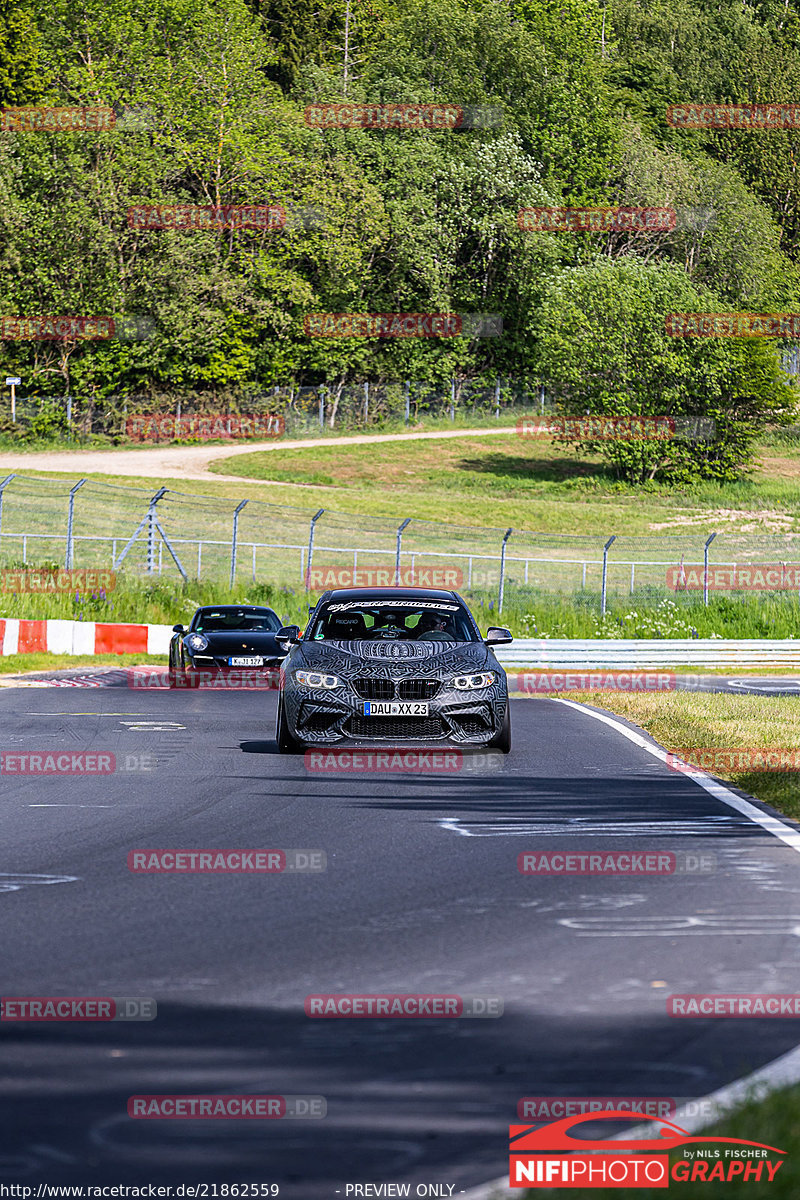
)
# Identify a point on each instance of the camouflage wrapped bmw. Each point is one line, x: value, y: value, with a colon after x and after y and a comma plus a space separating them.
x: 392, y: 666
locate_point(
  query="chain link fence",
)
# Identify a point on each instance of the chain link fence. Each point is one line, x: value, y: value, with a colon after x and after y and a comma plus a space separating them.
x: 171, y: 534
x: 306, y: 411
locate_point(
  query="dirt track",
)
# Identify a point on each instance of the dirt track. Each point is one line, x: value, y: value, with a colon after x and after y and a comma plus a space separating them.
x: 191, y: 462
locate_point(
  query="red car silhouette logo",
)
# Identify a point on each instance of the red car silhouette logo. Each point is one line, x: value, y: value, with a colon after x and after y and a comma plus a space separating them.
x: 557, y: 1136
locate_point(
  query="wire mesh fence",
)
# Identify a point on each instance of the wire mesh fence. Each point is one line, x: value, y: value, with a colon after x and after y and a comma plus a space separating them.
x: 164, y: 533
x: 303, y: 410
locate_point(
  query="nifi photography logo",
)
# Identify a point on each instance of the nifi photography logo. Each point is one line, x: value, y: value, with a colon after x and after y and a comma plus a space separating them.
x: 553, y: 1156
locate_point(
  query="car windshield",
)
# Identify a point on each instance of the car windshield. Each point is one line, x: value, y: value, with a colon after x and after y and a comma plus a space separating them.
x: 393, y: 620
x: 249, y: 620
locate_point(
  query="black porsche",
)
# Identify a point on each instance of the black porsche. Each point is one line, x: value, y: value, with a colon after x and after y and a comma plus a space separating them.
x: 392, y: 665
x: 223, y: 639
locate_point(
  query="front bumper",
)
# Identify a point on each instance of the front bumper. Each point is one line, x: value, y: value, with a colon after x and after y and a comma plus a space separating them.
x: 321, y: 717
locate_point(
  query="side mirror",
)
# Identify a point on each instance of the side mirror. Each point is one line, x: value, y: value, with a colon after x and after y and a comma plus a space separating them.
x: 178, y: 629
x: 495, y: 636
x: 289, y: 635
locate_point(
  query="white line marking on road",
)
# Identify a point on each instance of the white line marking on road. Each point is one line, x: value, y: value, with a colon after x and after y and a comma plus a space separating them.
x: 588, y: 826
x: 13, y: 882
x: 781, y: 1072
x: 731, y: 925
x: 718, y: 790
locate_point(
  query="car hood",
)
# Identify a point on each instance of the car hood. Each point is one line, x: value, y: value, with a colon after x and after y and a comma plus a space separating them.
x: 242, y: 641
x: 403, y: 658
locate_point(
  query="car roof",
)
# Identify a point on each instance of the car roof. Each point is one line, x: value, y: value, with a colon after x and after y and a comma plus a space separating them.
x: 386, y: 593
x: 233, y: 607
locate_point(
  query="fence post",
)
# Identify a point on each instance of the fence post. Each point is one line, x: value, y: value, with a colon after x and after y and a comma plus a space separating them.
x: 314, y: 520
x: 366, y: 401
x: 322, y: 408
x: 709, y: 540
x: 151, y: 530
x: 254, y: 562
x: 633, y: 568
x: 508, y: 534
x: 234, y: 538
x: 3, y: 487
x: 408, y: 402
x: 70, y: 514
x: 452, y: 399
x: 397, y: 556
x: 613, y: 538
x: 497, y: 398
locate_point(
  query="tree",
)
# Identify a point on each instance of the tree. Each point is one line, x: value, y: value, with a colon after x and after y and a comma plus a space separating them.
x: 603, y: 348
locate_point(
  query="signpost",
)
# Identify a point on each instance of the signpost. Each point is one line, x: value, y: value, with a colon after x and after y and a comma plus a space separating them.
x: 12, y: 381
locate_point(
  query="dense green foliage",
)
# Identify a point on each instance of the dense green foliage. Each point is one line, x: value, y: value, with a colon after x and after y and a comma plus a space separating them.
x: 407, y: 221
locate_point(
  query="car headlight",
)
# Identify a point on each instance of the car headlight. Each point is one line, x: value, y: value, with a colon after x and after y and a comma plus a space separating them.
x: 195, y: 643
x: 315, y: 679
x: 468, y: 682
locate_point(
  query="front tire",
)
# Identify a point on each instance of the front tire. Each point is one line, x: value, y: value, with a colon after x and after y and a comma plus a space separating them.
x: 502, y: 739
x: 286, y: 743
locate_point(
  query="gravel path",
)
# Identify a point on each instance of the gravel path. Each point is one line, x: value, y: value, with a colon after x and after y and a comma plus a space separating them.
x: 193, y: 462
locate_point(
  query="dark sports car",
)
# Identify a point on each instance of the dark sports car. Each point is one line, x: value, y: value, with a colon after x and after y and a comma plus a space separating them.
x: 226, y: 638
x: 392, y: 665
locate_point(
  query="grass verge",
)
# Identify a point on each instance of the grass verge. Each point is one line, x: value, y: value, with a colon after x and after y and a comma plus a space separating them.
x: 678, y: 720
x: 25, y: 664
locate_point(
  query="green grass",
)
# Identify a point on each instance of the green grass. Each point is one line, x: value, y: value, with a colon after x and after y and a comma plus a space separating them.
x: 528, y: 612
x: 678, y: 720
x: 27, y: 664
x: 529, y: 484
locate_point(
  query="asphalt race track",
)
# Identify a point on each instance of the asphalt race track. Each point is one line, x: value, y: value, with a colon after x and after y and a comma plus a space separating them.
x: 421, y: 894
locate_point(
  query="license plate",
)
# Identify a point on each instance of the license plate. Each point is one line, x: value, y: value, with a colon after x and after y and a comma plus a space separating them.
x: 394, y: 708
x: 252, y: 661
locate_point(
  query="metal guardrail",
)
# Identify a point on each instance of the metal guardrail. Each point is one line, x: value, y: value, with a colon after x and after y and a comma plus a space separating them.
x: 642, y: 653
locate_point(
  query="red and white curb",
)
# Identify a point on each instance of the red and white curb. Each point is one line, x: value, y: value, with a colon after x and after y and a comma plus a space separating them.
x: 81, y: 637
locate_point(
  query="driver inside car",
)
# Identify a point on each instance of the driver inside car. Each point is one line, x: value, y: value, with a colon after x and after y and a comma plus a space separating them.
x: 435, y: 627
